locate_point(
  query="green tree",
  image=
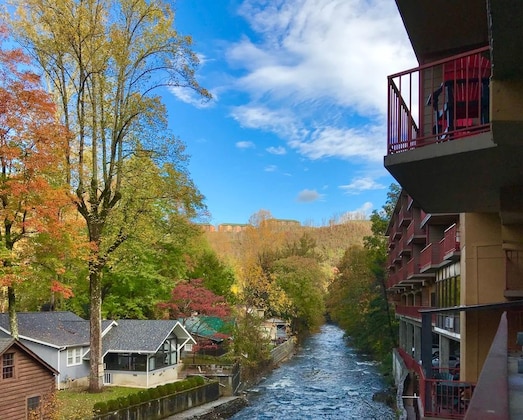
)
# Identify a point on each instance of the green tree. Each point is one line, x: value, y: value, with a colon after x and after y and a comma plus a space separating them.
x: 250, y: 345
x: 104, y: 61
x: 216, y: 275
x: 301, y: 279
x: 357, y: 298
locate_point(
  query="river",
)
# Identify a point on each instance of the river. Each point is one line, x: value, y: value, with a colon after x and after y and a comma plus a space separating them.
x: 326, y: 379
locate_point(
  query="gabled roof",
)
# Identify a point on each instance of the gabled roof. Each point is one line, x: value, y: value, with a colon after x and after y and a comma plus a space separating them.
x: 57, y: 329
x: 7, y: 343
x: 144, y: 336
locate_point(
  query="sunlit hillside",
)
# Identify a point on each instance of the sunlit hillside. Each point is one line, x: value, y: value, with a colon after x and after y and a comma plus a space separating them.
x: 331, y: 241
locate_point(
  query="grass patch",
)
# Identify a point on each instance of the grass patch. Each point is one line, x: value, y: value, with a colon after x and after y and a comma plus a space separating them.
x: 77, y: 404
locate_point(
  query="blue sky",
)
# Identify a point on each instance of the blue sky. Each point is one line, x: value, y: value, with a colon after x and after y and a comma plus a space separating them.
x: 297, y: 122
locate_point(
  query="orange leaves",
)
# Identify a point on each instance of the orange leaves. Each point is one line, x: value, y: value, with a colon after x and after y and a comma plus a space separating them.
x: 31, y: 149
x: 62, y: 289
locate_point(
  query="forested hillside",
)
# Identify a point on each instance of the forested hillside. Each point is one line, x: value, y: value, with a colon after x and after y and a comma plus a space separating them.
x: 331, y: 241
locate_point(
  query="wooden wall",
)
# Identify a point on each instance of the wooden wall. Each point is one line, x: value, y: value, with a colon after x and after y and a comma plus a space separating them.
x: 31, y: 379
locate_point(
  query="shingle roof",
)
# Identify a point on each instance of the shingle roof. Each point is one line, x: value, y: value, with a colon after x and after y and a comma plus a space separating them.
x: 55, y: 328
x: 5, y: 343
x: 134, y: 335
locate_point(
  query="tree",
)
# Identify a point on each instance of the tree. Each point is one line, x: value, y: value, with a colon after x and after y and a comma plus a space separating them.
x: 190, y: 297
x: 376, y: 244
x: 32, y: 199
x: 104, y: 60
x: 357, y: 298
x: 216, y: 275
x: 302, y: 280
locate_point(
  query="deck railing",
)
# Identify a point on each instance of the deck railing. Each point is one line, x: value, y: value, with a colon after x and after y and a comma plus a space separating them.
x: 429, y: 258
x: 440, y: 101
x: 450, y: 244
x: 441, y: 396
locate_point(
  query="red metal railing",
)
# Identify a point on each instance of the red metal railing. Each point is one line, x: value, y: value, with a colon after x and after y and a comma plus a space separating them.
x: 414, y: 230
x: 412, y: 268
x: 396, y: 278
x: 412, y: 311
x: 429, y: 257
x: 404, y: 216
x: 441, y: 396
x: 440, y: 101
x: 450, y: 244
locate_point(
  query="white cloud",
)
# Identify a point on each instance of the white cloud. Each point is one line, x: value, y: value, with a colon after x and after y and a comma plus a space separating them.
x: 189, y: 96
x: 270, y: 168
x: 337, y: 49
x: 280, y: 150
x: 316, y: 76
x: 245, y: 145
x: 362, y: 184
x: 361, y: 213
x: 308, y: 196
x: 366, y: 142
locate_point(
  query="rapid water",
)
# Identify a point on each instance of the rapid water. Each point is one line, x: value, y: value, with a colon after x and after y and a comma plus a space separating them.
x: 326, y: 379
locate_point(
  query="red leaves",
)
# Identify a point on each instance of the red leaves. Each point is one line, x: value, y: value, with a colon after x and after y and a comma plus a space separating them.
x: 61, y: 289
x: 191, y: 297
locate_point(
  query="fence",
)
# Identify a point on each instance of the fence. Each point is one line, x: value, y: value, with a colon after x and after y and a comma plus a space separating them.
x: 166, y: 406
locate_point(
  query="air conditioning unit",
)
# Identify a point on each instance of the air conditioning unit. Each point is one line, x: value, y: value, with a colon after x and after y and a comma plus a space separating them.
x: 449, y: 322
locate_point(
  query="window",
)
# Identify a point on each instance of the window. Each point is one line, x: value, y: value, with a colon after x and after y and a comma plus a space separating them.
x: 448, y: 292
x: 126, y: 361
x: 8, y: 365
x: 74, y: 356
x: 166, y: 355
x: 33, y: 406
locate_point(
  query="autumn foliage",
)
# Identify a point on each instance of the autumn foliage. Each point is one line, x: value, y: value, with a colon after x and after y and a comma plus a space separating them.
x: 191, y: 297
x: 33, y: 198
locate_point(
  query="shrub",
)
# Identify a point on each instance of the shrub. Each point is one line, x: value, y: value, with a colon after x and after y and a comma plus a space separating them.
x: 112, y: 405
x: 123, y: 402
x: 144, y: 396
x: 172, y: 387
x: 199, y: 380
x: 164, y: 390
x: 100, y: 407
x: 154, y: 393
x: 134, y: 399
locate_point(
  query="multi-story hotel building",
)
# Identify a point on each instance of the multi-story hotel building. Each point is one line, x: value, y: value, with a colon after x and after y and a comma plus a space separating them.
x: 455, y: 145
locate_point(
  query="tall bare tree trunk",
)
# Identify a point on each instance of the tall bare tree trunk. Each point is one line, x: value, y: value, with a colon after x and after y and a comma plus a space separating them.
x: 96, y: 371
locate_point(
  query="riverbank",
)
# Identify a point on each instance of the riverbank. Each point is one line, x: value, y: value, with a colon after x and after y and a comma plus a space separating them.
x: 225, y: 407
x: 222, y: 408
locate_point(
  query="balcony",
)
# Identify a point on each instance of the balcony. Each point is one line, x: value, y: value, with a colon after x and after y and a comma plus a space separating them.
x: 443, y: 101
x: 396, y: 278
x: 404, y: 217
x: 429, y: 258
x: 415, y: 234
x: 440, y: 139
x: 405, y: 248
x: 441, y: 396
x: 450, y: 244
x: 414, y: 273
x: 412, y: 311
